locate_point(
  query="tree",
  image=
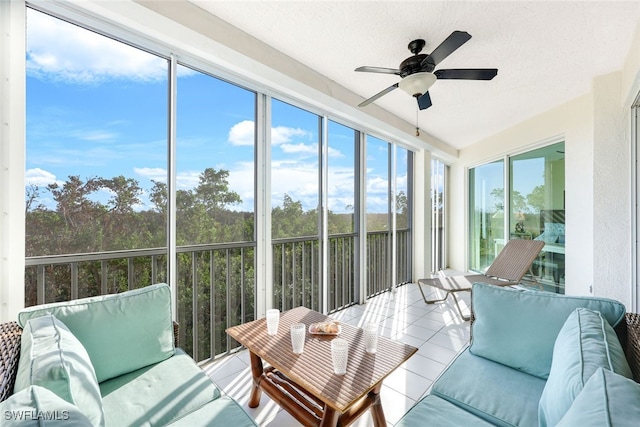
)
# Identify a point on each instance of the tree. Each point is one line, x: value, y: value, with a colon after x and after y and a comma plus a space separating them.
x: 72, y: 200
x: 291, y: 220
x: 125, y: 192
x: 159, y: 196
x: 213, y: 191
x: 536, y: 198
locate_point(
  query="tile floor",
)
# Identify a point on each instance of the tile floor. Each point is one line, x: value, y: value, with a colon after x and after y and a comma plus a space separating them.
x: 436, y: 330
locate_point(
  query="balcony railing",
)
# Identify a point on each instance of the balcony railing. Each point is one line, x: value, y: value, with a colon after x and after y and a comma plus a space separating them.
x: 223, y: 276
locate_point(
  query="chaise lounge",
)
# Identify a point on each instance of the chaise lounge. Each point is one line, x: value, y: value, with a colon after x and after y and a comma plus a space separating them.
x: 509, y: 267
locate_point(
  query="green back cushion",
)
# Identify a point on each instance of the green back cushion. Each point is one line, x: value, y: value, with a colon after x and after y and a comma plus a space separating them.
x: 607, y: 400
x: 51, y: 357
x: 585, y: 343
x: 36, y: 406
x: 518, y: 328
x: 121, y: 332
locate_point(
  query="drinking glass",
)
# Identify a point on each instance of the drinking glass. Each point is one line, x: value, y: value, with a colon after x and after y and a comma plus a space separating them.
x: 339, y: 355
x: 298, y: 333
x: 273, y: 319
x: 371, y: 338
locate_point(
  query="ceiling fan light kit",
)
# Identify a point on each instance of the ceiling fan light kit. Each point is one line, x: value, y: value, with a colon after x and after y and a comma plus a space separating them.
x: 417, y: 72
x: 418, y: 83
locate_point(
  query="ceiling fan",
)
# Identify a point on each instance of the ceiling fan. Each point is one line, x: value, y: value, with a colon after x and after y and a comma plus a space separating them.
x: 417, y: 71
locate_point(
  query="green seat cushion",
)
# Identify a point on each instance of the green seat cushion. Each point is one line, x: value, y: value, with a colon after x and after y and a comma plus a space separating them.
x: 532, y: 319
x: 157, y: 394
x: 496, y: 393
x: 51, y: 357
x: 607, y: 400
x: 221, y: 412
x: 36, y: 406
x: 434, y: 411
x: 121, y: 332
x: 585, y: 343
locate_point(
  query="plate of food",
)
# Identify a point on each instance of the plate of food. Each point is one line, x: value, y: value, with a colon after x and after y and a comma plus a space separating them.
x: 325, y: 328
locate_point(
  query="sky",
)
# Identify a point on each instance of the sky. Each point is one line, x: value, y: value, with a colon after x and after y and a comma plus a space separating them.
x: 98, y: 107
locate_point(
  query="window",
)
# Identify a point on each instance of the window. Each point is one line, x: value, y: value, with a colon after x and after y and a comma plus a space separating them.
x: 295, y: 199
x: 536, y: 209
x: 342, y: 215
x: 104, y: 213
x: 486, y: 213
x: 215, y: 178
x: 96, y: 140
x: 402, y: 213
x: 378, y: 211
x: 438, y: 186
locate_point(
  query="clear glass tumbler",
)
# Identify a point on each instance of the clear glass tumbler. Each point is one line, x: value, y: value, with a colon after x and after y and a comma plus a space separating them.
x: 371, y: 337
x: 339, y: 355
x: 298, y: 334
x: 273, y: 319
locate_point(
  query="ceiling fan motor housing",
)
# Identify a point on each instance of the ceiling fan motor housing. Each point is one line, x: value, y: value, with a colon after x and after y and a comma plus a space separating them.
x: 416, y: 64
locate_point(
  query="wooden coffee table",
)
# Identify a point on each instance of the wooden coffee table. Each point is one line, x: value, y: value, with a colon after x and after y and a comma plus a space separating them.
x: 304, y: 384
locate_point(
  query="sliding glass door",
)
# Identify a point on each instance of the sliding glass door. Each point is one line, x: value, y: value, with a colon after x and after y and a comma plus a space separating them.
x: 520, y: 197
x: 536, y: 209
x: 486, y: 214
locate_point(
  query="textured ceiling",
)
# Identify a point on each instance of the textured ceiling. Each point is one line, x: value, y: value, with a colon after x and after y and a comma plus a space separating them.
x: 547, y: 52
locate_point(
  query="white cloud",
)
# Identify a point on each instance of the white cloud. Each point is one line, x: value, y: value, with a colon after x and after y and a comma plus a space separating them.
x: 333, y: 152
x: 188, y: 180
x: 41, y: 177
x: 242, y: 133
x: 312, y: 149
x: 284, y: 134
x: 95, y: 135
x: 300, y: 148
x: 298, y: 180
x: 377, y: 185
x: 65, y: 52
x: 241, y: 181
x: 156, y: 174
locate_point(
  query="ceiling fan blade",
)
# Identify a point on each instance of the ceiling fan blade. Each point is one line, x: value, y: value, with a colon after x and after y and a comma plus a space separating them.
x: 449, y: 45
x: 467, y: 74
x: 379, y: 70
x: 424, y: 101
x: 378, y: 95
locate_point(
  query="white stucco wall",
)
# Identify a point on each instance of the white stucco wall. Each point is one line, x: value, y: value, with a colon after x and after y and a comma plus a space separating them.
x: 612, y: 220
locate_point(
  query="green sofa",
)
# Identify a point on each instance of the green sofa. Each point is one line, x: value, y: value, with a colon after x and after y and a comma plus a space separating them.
x: 539, y: 359
x: 106, y: 361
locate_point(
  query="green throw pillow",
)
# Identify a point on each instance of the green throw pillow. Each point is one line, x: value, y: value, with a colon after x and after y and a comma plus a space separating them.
x: 585, y: 343
x: 51, y: 357
x: 121, y: 332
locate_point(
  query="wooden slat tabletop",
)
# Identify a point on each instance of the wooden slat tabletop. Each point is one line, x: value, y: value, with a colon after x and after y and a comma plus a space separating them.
x: 313, y: 369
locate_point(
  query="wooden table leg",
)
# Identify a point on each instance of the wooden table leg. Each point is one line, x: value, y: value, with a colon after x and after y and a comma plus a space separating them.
x: 376, y: 407
x: 256, y: 373
x: 329, y: 418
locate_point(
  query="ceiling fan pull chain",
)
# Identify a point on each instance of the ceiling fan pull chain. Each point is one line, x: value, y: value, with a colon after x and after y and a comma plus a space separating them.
x: 417, y: 128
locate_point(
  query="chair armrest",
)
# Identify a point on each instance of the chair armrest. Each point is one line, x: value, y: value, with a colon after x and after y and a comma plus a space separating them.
x: 10, y: 334
x: 632, y: 345
x: 176, y: 330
